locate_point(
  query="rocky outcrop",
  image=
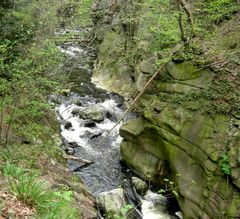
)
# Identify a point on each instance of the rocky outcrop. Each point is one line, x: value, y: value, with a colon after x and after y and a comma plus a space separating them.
x: 186, y: 133
x: 112, y: 35
x: 180, y: 146
x: 197, y: 151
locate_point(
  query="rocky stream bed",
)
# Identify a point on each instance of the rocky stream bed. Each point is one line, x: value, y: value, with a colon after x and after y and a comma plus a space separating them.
x: 85, y: 113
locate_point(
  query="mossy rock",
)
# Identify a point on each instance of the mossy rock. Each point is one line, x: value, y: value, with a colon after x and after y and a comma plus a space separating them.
x: 185, y: 72
x: 95, y: 114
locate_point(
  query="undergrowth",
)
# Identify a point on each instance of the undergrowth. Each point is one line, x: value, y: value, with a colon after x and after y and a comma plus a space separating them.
x: 35, y: 193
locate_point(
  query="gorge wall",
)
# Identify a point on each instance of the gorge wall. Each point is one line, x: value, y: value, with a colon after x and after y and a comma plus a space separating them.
x: 189, y: 130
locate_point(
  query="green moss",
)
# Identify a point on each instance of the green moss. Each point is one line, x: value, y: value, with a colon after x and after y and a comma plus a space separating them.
x: 182, y: 71
x: 233, y: 209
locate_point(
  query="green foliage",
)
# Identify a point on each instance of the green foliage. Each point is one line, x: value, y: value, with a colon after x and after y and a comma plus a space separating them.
x: 29, y: 59
x: 219, y: 10
x: 75, y: 13
x: 34, y: 193
x: 224, y: 162
x: 171, y: 188
x: 164, y: 25
x: 84, y: 12
x: 159, y: 23
x: 24, y: 186
x: 124, y: 212
x: 222, y: 97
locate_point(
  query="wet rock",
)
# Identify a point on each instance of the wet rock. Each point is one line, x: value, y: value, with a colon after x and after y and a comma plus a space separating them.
x: 78, y: 102
x: 156, y: 199
x: 65, y: 92
x: 91, y: 135
x: 111, y: 202
x: 75, y: 111
x: 89, y: 124
x: 111, y: 116
x: 69, y: 151
x: 96, y: 134
x: 72, y: 144
x: 68, y: 125
x: 55, y: 99
x: 85, y: 134
x: 182, y: 138
x: 93, y: 113
x: 179, y: 214
x: 140, y: 186
x: 117, y: 98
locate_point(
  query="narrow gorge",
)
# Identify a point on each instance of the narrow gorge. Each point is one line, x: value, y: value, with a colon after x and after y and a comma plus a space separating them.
x: 120, y: 109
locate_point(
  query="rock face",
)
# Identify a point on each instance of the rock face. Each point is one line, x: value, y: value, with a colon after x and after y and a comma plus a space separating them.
x: 112, y: 74
x: 184, y: 151
x: 175, y: 138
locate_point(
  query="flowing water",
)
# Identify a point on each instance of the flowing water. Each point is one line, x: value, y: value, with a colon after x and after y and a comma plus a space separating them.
x: 84, y: 135
x: 85, y: 114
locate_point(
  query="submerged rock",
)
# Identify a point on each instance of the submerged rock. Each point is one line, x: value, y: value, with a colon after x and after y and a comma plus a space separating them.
x: 75, y: 111
x: 68, y: 125
x: 96, y: 134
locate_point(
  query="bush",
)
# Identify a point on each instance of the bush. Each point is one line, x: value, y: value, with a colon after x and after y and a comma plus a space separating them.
x: 219, y: 10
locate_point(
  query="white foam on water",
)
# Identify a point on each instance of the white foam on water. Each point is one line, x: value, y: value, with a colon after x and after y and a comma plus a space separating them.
x: 76, y: 132
x: 72, y: 50
x: 65, y: 51
x: 152, y: 208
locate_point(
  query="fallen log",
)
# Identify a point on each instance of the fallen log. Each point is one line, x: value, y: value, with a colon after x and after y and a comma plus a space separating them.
x: 69, y: 157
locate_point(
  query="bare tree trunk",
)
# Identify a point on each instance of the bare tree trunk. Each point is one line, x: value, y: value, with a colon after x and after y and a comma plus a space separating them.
x: 188, y: 12
x: 10, y: 122
x: 1, y: 119
x: 180, y: 22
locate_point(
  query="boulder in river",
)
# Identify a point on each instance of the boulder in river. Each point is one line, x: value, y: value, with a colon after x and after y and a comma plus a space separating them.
x: 89, y: 123
x: 68, y: 125
x: 140, y: 186
x: 111, y: 202
x: 69, y: 151
x: 93, y: 113
x: 75, y: 111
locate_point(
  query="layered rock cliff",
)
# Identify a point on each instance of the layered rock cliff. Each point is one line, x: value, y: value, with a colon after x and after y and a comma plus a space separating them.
x: 189, y: 130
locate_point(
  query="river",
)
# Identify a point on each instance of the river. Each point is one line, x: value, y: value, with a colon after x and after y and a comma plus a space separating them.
x: 85, y: 113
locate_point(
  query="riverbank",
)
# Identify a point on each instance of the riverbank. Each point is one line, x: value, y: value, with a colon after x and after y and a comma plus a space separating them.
x: 35, y: 180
